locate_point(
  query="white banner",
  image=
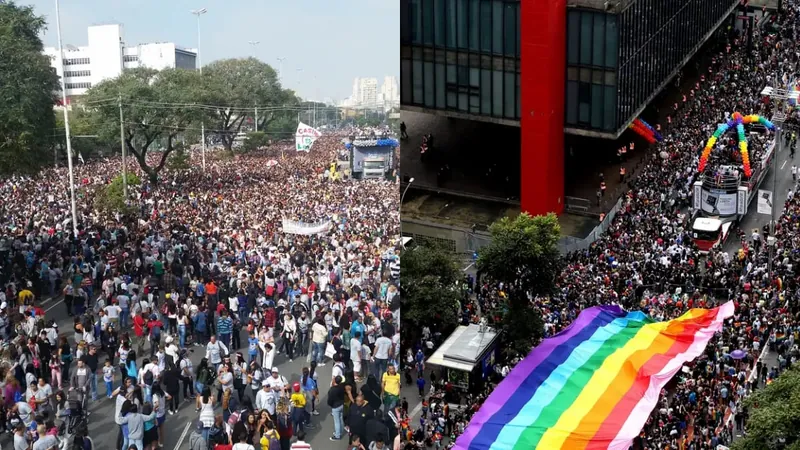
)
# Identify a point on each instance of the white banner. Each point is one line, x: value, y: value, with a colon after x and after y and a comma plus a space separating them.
x: 718, y: 203
x: 306, y: 229
x: 764, y: 202
x: 304, y: 137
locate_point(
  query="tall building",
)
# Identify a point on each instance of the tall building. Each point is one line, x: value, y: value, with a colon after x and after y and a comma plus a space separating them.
x: 582, y: 67
x: 390, y: 93
x: 368, y: 92
x: 106, y: 56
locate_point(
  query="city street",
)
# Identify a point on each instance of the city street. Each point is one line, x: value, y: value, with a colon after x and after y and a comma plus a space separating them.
x: 103, y: 430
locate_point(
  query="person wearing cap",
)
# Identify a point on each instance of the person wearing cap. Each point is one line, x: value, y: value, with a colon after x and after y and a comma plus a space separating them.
x: 196, y: 440
x: 265, y: 399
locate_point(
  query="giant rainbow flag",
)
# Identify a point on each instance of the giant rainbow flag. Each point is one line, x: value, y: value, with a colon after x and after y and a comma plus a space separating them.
x: 593, y: 385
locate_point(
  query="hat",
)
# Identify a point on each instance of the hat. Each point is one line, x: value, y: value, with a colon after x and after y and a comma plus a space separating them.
x: 274, y: 370
x: 3, y: 305
x: 296, y: 387
x: 198, y: 425
x: 264, y: 383
x: 153, y: 317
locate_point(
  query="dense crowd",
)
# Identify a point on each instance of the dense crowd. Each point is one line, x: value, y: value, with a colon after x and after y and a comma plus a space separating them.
x: 647, y: 260
x: 202, y: 261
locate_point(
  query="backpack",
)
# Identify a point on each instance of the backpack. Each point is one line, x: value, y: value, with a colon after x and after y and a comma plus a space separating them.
x: 17, y: 397
x: 148, y: 378
x: 274, y: 443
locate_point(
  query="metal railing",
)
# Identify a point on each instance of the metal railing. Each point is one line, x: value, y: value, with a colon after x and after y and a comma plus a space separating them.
x: 576, y: 204
x: 568, y: 244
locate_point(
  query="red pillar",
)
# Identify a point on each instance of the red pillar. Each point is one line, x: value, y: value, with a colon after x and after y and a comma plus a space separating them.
x: 543, y: 62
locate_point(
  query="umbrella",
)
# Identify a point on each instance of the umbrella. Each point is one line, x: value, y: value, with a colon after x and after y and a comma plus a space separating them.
x: 664, y: 155
x: 272, y: 162
x: 738, y: 354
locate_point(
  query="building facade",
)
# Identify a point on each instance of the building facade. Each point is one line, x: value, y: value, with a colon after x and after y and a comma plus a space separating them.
x: 461, y: 58
x: 583, y: 67
x: 106, y: 56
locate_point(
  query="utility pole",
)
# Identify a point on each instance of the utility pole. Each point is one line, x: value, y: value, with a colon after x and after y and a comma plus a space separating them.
x: 124, y: 151
x: 198, y: 13
x: 73, y: 206
x: 256, y: 119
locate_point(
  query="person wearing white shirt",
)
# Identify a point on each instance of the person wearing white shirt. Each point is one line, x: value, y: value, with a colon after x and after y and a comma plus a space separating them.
x: 383, y: 350
x: 215, y: 351
x: 265, y: 399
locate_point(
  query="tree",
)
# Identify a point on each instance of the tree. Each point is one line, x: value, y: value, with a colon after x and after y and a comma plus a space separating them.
x: 254, y: 141
x: 235, y: 87
x: 110, y: 198
x: 83, y: 129
x: 430, y: 295
x: 774, y: 415
x: 157, y: 108
x: 28, y: 88
x: 523, y: 255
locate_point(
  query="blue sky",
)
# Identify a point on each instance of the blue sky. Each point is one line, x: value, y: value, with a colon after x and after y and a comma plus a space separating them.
x: 333, y: 41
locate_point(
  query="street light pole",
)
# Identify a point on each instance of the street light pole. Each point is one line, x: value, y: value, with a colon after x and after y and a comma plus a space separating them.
x: 280, y: 68
x: 253, y: 44
x: 124, y: 153
x: 198, y: 13
x: 66, y: 125
x: 400, y: 208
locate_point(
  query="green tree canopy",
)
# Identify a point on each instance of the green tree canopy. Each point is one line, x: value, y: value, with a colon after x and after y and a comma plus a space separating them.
x: 235, y: 87
x: 774, y: 415
x: 157, y: 108
x: 254, y: 141
x: 28, y: 89
x: 110, y: 198
x: 430, y: 295
x: 523, y: 255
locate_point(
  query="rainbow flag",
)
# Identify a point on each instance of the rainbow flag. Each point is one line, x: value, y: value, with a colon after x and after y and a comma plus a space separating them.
x: 593, y: 385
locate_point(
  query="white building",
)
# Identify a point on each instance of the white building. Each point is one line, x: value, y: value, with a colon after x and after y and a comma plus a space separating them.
x: 368, y: 92
x: 107, y: 55
x: 390, y: 93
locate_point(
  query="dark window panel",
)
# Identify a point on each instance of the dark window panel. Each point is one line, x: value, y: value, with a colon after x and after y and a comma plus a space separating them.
x: 440, y: 21
x: 510, y: 92
x: 430, y: 93
x: 573, y: 36
x: 486, y: 92
x: 462, y: 17
x: 510, y: 29
x: 405, y: 81
x: 441, y: 88
x: 586, y: 38
x: 497, y: 93
x: 474, y: 25
x: 427, y: 22
x: 571, y: 106
x: 405, y: 22
x: 486, y: 25
x: 597, y: 106
x: 584, y: 99
x: 418, y: 82
x: 598, y: 37
x: 451, y: 23
x: 416, y: 21
x: 497, y: 27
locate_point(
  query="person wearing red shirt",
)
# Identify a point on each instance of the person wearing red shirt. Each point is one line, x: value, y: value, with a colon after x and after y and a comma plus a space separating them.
x: 270, y: 317
x: 138, y: 328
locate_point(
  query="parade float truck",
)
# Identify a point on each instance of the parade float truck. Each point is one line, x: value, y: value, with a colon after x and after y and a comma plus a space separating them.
x: 722, y: 200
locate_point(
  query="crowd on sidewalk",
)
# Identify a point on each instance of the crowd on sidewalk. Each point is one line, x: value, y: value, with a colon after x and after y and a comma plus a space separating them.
x: 204, y: 262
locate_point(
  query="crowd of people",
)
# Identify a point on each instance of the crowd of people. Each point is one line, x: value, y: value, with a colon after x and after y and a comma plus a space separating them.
x: 202, y: 264
x: 646, y: 260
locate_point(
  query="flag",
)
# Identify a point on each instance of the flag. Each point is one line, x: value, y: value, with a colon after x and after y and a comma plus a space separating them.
x: 593, y: 385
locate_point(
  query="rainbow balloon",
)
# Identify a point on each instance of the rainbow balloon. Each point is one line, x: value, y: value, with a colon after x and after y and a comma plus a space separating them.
x: 644, y: 130
x: 737, y: 121
x: 593, y: 385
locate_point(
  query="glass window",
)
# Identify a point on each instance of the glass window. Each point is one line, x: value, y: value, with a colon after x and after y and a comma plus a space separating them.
x: 510, y: 95
x: 497, y: 93
x: 519, y: 90
x: 519, y: 31
x: 586, y: 38
x: 573, y: 36
x: 486, y: 92
x: 440, y: 87
x: 463, y: 76
x: 463, y: 102
x: 597, y: 106
x: 418, y: 81
x: 416, y: 22
x: 441, y: 23
x: 497, y: 26
x: 474, y: 77
x: 610, y: 108
x: 451, y: 23
x: 510, y: 29
x: 584, y: 98
x: 474, y: 104
x: 571, y: 105
x: 405, y: 81
x: 462, y: 16
x: 598, y: 34
x: 451, y: 74
x: 430, y: 97
x: 452, y: 100
x: 474, y: 24
x: 486, y: 25
x: 405, y: 21
x: 427, y: 22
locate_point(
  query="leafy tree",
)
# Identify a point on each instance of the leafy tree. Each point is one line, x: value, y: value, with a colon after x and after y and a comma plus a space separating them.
x: 774, y: 415
x: 430, y: 295
x: 179, y: 159
x: 83, y: 129
x: 157, y: 108
x: 523, y: 255
x: 254, y: 141
x: 235, y: 87
x: 28, y: 88
x: 110, y: 198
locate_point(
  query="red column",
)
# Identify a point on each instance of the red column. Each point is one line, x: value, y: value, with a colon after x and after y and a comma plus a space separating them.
x: 543, y: 63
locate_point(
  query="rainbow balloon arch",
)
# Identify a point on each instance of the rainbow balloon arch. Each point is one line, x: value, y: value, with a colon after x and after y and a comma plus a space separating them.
x: 646, y: 131
x: 738, y: 121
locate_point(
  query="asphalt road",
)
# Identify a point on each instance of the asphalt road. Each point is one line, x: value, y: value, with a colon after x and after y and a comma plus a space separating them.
x: 103, y: 429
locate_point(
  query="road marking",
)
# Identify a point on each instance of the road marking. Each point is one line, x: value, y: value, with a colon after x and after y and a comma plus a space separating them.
x: 54, y: 305
x: 784, y: 164
x: 416, y: 410
x: 183, y: 435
